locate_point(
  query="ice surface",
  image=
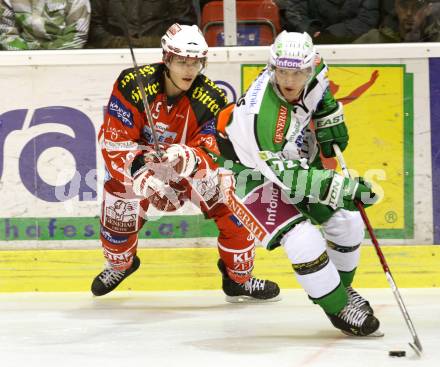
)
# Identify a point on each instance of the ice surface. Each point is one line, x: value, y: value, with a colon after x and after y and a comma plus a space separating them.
x: 200, y: 329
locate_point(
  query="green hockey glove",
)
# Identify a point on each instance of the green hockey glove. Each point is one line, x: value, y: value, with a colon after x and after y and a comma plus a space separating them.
x: 331, y: 129
x: 340, y: 192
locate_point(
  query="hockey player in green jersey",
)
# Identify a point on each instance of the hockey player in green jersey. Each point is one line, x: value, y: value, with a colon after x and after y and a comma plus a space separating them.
x: 277, y: 187
x: 268, y: 131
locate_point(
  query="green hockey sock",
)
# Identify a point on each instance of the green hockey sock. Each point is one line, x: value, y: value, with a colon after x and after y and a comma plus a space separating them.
x: 334, y: 301
x: 347, y: 277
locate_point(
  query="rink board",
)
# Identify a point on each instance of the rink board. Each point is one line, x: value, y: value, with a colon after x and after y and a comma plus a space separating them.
x: 195, y: 269
x: 51, y: 168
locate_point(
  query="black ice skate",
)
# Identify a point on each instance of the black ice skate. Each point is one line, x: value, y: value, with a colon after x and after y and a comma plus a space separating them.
x: 254, y: 290
x: 356, y: 322
x: 357, y: 300
x: 110, y: 278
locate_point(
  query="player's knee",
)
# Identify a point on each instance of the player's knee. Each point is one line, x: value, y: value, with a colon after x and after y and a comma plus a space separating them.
x: 304, y: 243
x: 306, y: 249
x: 344, y: 228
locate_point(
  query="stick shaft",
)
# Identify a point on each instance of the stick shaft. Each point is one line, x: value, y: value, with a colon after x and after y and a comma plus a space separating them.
x: 141, y: 87
x: 381, y: 256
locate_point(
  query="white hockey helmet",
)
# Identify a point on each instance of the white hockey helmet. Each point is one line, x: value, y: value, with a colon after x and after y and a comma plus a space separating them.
x: 292, y: 50
x: 184, y: 40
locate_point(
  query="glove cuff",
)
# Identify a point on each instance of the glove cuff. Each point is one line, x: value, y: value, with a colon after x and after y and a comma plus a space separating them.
x: 335, y: 118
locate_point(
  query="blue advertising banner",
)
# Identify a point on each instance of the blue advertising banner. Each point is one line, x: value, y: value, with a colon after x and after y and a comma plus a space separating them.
x: 434, y: 80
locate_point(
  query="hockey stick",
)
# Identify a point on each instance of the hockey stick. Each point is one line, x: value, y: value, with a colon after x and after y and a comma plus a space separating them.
x: 141, y: 87
x: 416, y: 345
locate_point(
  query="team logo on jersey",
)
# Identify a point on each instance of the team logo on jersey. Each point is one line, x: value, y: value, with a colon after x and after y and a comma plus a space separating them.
x: 281, y: 123
x: 118, y: 110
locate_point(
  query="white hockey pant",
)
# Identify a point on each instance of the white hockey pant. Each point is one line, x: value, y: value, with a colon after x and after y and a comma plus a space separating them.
x: 316, y: 265
x: 344, y: 232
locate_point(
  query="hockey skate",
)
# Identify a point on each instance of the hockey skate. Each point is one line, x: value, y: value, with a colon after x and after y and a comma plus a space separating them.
x: 355, y: 322
x: 110, y: 278
x: 253, y: 290
x: 357, y: 300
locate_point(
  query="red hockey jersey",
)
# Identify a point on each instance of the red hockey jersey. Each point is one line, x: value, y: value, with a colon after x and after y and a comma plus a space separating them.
x: 187, y: 119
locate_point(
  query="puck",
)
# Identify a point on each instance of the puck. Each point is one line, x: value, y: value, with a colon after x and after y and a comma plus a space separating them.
x: 397, y: 353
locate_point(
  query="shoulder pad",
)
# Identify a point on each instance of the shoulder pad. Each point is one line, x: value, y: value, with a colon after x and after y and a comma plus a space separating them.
x: 151, y: 76
x: 206, y: 98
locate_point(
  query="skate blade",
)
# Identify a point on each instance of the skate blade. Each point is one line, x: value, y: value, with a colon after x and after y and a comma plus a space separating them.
x: 376, y: 334
x: 248, y: 299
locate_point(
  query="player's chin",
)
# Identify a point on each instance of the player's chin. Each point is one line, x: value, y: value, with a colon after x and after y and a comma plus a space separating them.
x: 289, y: 94
x: 185, y: 83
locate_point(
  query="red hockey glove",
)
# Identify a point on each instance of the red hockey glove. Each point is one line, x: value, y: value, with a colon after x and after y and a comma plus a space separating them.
x: 156, y: 180
x: 182, y: 158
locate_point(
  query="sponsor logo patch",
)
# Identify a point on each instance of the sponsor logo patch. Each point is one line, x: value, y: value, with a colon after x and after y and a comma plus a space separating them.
x: 117, y: 240
x: 281, y: 123
x: 120, y: 215
x: 163, y: 135
x: 234, y: 219
x: 288, y: 63
x: 240, y: 210
x: 203, y: 95
x: 118, y: 259
x: 209, y: 127
x: 120, y: 145
x: 118, y: 110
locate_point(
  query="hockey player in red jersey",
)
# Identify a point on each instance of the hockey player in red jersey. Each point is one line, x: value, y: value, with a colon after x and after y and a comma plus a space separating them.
x: 183, y: 102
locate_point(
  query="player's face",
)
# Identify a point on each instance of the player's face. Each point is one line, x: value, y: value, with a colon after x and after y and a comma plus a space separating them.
x: 183, y: 70
x: 291, y: 82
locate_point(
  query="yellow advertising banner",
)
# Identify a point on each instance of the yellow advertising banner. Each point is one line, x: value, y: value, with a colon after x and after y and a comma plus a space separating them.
x: 378, y: 104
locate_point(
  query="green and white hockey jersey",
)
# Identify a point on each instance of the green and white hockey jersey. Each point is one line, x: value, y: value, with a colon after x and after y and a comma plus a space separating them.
x: 274, y: 137
x: 42, y: 24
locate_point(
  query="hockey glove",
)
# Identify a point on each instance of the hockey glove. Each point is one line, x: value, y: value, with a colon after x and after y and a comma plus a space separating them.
x: 164, y: 197
x: 182, y: 159
x: 153, y: 179
x: 331, y: 129
x: 340, y: 192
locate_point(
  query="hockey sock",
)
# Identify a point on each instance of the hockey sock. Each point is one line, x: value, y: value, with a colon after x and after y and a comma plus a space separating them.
x: 334, y: 301
x: 347, y: 277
